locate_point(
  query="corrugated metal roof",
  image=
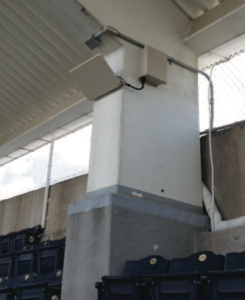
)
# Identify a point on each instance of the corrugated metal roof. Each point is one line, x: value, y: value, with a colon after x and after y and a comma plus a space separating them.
x: 40, y: 42
x: 35, y: 58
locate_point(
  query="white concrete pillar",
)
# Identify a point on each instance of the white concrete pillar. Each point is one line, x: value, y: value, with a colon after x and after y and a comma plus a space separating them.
x: 144, y: 143
x: 147, y: 142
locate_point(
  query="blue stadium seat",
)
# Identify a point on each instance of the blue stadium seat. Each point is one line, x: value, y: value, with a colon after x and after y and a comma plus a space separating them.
x: 146, y: 266
x: 230, y: 284
x: 24, y: 267
x: 49, y: 275
x: 235, y: 261
x: 201, y: 262
x: 5, y: 273
x: 7, y: 283
x: 25, y: 237
x: 24, y: 263
x: 44, y: 258
x: 2, y: 282
x: 7, y: 296
x: 38, y: 292
x: 49, y: 259
x: 52, y: 279
x: 5, y: 244
x: 45, y: 287
x: 123, y: 288
x: 41, y: 245
x: 184, y: 280
x: 24, y: 279
x: 5, y: 266
x: 47, y: 284
x: 133, y: 283
x: 60, y: 242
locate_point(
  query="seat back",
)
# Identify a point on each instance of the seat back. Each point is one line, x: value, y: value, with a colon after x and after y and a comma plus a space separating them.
x: 41, y: 245
x: 49, y: 259
x: 146, y: 266
x: 37, y: 293
x: 19, y: 241
x: 6, y: 266
x: 235, y: 261
x: 25, y: 263
x: 25, y: 237
x: 125, y: 288
x: 24, y: 279
x: 199, y: 262
x: 34, y: 293
x: 2, y: 282
x: 52, y: 279
x: 5, y: 244
x: 60, y: 242
x: 5, y: 296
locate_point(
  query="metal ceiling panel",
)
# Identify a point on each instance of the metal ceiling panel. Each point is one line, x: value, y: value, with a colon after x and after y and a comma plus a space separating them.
x: 36, y: 55
x: 35, y: 58
x: 40, y: 42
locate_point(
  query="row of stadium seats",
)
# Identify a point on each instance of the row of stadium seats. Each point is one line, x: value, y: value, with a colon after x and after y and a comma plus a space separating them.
x: 17, y: 241
x: 198, y: 277
x: 33, y: 273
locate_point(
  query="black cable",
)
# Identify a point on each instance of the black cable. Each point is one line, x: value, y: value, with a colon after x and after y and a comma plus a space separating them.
x: 124, y: 82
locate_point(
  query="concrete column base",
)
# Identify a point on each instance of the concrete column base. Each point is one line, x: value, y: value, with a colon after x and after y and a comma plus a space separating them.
x: 105, y: 231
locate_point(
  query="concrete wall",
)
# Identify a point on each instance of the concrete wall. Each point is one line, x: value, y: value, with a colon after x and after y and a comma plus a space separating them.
x: 229, y: 170
x: 26, y: 210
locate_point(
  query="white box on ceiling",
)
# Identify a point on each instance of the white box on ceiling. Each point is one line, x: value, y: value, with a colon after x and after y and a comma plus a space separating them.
x: 95, y: 78
x: 153, y: 66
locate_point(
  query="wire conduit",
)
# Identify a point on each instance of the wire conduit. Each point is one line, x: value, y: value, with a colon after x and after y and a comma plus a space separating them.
x: 212, y: 210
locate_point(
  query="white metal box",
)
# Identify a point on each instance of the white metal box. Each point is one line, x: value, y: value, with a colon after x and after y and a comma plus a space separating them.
x: 95, y: 78
x: 153, y: 66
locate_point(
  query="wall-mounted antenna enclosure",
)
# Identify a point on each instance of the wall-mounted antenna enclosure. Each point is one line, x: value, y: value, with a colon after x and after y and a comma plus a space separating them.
x: 95, y: 78
x: 153, y: 66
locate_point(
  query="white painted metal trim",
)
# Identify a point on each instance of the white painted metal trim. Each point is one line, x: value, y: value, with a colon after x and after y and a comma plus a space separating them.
x: 45, y: 201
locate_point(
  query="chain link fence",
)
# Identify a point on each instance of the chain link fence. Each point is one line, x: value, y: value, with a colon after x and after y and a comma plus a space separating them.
x: 228, y: 76
x: 29, y: 172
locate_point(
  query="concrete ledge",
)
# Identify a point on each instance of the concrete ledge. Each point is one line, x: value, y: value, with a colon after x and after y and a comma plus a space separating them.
x: 129, y: 191
x: 140, y: 205
x: 221, y: 242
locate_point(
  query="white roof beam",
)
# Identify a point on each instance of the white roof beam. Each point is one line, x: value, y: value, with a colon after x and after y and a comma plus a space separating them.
x: 190, y: 8
x: 220, y: 25
x: 208, y: 4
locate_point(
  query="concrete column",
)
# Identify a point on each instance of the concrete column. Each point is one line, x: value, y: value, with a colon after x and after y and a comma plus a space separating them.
x: 106, y: 231
x: 143, y: 142
x: 144, y: 186
x: 147, y: 142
